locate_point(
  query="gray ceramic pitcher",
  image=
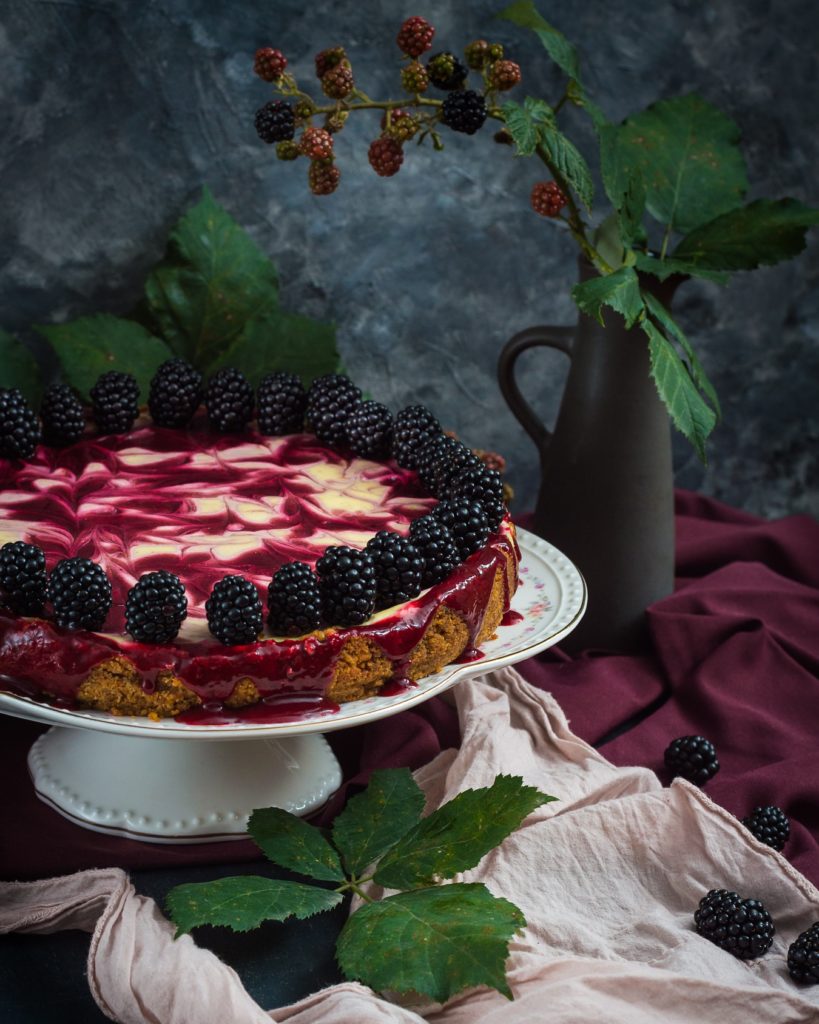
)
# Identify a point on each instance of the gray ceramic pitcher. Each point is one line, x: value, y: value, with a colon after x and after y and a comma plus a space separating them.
x: 606, y: 494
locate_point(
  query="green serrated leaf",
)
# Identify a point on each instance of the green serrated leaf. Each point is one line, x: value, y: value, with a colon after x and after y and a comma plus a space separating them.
x: 607, y: 240
x: 763, y: 232
x: 19, y: 368
x: 244, y: 902
x: 93, y: 345
x: 522, y: 127
x: 376, y: 819
x: 539, y: 110
x: 213, y: 280
x: 457, y: 835
x: 663, y: 269
x: 620, y: 291
x: 673, y: 329
x: 689, y: 412
x: 293, y: 844
x: 687, y: 153
x: 435, y: 941
x: 569, y: 163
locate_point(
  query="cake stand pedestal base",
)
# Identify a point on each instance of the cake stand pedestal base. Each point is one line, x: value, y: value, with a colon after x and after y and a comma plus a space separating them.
x: 178, y: 791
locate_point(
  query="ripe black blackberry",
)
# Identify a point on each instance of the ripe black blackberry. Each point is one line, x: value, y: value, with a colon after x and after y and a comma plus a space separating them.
x: 229, y: 400
x: 234, y: 611
x: 414, y: 426
x: 477, y: 482
x: 495, y: 511
x: 175, y: 393
x: 451, y: 460
x: 22, y: 578
x: 467, y: 522
x: 739, y: 926
x: 80, y: 594
x: 770, y: 825
x: 464, y: 111
x: 330, y: 383
x: 294, y: 600
x: 692, y: 757
x: 437, y: 547
x: 275, y: 122
x: 369, y: 430
x: 19, y: 427
x: 62, y: 414
x: 115, y: 402
x: 446, y: 72
x: 399, y: 568
x: 330, y: 400
x: 347, y: 581
x: 803, y: 956
x: 280, y: 404
x: 155, y: 608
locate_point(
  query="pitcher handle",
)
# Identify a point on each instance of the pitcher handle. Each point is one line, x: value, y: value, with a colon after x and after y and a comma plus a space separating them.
x: 533, y: 337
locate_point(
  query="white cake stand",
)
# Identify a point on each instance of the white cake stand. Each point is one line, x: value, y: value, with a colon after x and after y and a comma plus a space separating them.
x: 120, y: 775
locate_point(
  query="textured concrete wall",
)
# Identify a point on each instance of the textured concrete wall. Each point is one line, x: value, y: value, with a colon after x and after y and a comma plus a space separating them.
x: 115, y: 112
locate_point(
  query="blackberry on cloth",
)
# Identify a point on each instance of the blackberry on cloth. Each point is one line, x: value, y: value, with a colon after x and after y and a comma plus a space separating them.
x: 770, y: 825
x: 692, y: 757
x: 740, y: 926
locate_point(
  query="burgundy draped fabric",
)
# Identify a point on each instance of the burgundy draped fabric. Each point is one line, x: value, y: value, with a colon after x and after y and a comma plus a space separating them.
x: 734, y: 656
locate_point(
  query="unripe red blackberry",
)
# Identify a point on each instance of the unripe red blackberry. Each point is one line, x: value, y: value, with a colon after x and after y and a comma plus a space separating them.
x: 338, y: 82
x: 329, y: 59
x: 288, y: 150
x: 414, y: 78
x: 317, y: 143
x: 385, y: 156
x: 476, y: 54
x: 323, y: 177
x: 415, y: 36
x: 548, y: 198
x: 402, y: 126
x: 269, y: 64
x: 504, y: 74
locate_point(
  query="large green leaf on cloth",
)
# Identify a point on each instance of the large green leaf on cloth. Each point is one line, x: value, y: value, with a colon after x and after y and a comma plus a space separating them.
x: 292, y: 843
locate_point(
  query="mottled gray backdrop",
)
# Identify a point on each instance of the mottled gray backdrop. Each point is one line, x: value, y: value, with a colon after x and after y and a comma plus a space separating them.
x: 115, y: 112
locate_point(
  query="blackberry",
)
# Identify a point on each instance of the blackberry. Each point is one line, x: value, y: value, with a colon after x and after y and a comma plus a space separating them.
x: 330, y: 400
x: 399, y: 568
x: 415, y: 36
x: 446, y: 71
x: 294, y: 600
x: 175, y: 393
x: 155, y: 608
x: 338, y: 82
x: 369, y: 430
x: 547, y: 198
x: 414, y: 426
x: 444, y: 464
x: 229, y: 400
x: 280, y: 404
x: 323, y: 177
x: 348, y: 589
x: 467, y: 521
x: 22, y: 578
x: 63, y: 415
x: 476, y: 54
x: 495, y: 511
x: 402, y: 127
x: 477, y: 482
x: 803, y: 956
x: 287, y: 150
x: 386, y: 156
x: 504, y: 74
x: 80, y: 594
x: 329, y: 58
x: 414, y: 78
x: 692, y: 757
x: 269, y: 64
x: 275, y: 122
x: 234, y: 611
x: 770, y: 825
x: 741, y: 927
x: 115, y: 401
x: 437, y: 547
x: 19, y: 427
x: 430, y: 456
x: 317, y: 143
x: 464, y: 111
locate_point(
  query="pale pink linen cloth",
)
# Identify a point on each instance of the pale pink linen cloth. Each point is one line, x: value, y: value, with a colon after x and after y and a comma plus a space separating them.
x: 608, y: 879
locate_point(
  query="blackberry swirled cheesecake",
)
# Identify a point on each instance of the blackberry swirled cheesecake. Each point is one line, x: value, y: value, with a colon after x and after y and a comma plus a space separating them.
x: 233, y: 549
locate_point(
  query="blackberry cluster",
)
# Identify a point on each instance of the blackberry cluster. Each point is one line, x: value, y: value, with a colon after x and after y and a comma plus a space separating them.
x: 467, y: 522
x: 464, y: 111
x: 19, y: 427
x: 80, y: 594
x: 175, y: 393
x: 415, y: 36
x: 115, y: 402
x: 275, y: 122
x: 436, y: 545
x: 63, y: 415
x: 446, y: 71
x: 692, y: 757
x: 22, y: 578
x: 369, y: 430
x: 803, y: 956
x: 348, y: 588
x: 229, y: 400
x: 155, y: 608
x: 399, y: 568
x: 280, y: 404
x: 234, y: 611
x: 770, y: 825
x: 414, y: 426
x: 330, y: 400
x: 294, y: 600
x: 386, y: 156
x: 741, y: 927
